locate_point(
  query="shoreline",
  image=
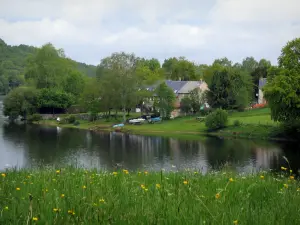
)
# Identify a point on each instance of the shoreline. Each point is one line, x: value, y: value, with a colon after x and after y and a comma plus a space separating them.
x: 227, y: 133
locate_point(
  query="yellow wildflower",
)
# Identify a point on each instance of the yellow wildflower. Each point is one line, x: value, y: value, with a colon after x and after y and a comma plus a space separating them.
x: 102, y: 200
x: 217, y: 195
x: 146, y: 172
x: 115, y: 173
x: 146, y: 189
x: 285, y: 185
x: 56, y: 210
x: 28, y: 177
x: 157, y: 185
x: 18, y: 189
x: 35, y: 219
x: 57, y: 171
x: 283, y: 168
x: 185, y: 182
x: 235, y: 222
x: 6, y: 207
x: 292, y: 177
x: 262, y: 177
x: 62, y: 195
x: 84, y: 187
x: 143, y: 186
x: 291, y: 171
x: 70, y: 211
x: 125, y: 171
x: 231, y: 179
x: 3, y: 174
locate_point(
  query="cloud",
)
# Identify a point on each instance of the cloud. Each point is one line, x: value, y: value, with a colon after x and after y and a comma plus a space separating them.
x: 199, y: 30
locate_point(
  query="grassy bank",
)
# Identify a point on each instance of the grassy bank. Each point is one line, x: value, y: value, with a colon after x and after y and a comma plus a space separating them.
x: 77, y: 196
x: 256, y: 123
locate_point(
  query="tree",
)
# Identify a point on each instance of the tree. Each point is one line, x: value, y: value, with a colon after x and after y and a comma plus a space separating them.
x: 216, y: 120
x: 224, y: 62
x: 120, y: 69
x: 54, y: 99
x: 73, y: 83
x: 186, y: 105
x: 21, y: 101
x: 197, y: 99
x: 179, y: 69
x: 283, y: 90
x: 165, y: 100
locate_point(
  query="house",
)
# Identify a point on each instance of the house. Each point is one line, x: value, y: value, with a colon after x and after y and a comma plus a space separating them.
x: 181, y: 89
x: 262, y: 82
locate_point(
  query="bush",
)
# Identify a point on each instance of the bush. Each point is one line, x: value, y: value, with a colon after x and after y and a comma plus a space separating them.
x: 237, y: 123
x: 76, y: 123
x: 34, y: 117
x: 71, y: 119
x: 216, y: 120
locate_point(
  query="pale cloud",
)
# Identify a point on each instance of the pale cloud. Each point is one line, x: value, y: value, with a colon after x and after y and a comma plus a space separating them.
x: 199, y: 30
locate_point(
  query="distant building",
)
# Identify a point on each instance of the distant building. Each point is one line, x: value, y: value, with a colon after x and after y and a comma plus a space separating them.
x: 181, y: 89
x: 262, y: 82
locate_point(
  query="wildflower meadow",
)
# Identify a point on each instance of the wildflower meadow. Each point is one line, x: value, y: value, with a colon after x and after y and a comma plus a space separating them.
x: 79, y: 196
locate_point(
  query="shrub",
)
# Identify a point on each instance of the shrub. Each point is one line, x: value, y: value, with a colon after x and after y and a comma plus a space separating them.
x: 76, y: 123
x: 236, y: 123
x: 216, y: 120
x: 34, y: 117
x: 71, y: 119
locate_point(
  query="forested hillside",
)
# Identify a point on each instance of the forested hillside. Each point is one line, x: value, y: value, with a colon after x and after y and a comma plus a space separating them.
x: 13, y: 61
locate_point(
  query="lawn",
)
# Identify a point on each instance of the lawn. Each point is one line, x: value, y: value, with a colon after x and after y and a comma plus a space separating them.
x: 255, y: 123
x: 78, y: 196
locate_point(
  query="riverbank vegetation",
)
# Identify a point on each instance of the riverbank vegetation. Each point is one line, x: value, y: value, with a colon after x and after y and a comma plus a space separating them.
x: 53, y: 85
x: 78, y: 196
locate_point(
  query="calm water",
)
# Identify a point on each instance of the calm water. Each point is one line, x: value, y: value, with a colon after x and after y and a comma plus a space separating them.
x: 31, y: 145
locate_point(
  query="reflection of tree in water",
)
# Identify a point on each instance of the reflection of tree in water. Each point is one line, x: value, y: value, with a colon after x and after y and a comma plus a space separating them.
x: 241, y: 154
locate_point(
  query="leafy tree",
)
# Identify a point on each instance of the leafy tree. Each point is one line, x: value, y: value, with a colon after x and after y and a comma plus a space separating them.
x: 179, y: 69
x: 224, y: 62
x: 74, y: 83
x: 120, y: 69
x: 283, y: 90
x: 54, y: 99
x: 186, y: 104
x: 197, y: 99
x: 21, y: 101
x: 165, y: 100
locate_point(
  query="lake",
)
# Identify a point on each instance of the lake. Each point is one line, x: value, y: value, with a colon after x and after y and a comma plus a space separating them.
x: 24, y: 146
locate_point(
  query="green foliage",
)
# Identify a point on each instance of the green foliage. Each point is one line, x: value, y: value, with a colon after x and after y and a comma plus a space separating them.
x: 21, y: 101
x: 179, y: 69
x: 186, y: 104
x: 71, y: 119
x: 230, y: 88
x: 34, y: 117
x: 52, y: 98
x: 216, y: 120
x: 237, y: 123
x: 282, y: 91
x: 165, y: 100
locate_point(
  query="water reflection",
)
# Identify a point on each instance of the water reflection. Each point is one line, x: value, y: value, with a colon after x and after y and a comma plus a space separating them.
x: 29, y: 145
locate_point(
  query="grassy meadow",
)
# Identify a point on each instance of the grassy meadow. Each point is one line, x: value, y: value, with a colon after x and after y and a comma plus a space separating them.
x: 78, y: 196
x: 254, y: 123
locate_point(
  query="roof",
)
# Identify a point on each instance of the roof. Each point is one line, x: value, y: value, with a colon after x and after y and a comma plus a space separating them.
x: 262, y: 82
x: 176, y: 85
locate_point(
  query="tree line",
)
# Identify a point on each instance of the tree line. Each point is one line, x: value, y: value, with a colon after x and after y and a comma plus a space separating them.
x: 51, y: 83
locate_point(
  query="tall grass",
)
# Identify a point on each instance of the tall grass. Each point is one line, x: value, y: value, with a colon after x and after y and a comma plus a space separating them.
x: 78, y: 196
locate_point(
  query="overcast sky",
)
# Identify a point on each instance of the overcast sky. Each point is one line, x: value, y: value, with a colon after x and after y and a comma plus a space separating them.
x: 200, y: 30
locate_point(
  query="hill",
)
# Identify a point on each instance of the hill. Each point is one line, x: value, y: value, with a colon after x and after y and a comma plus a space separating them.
x: 13, y: 62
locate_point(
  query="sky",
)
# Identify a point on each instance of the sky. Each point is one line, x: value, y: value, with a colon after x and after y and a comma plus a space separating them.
x: 200, y: 30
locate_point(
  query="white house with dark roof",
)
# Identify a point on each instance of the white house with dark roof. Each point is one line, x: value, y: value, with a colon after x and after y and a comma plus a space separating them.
x: 262, y: 82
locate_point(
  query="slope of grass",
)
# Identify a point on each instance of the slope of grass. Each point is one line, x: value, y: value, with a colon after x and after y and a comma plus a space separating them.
x: 78, y: 196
